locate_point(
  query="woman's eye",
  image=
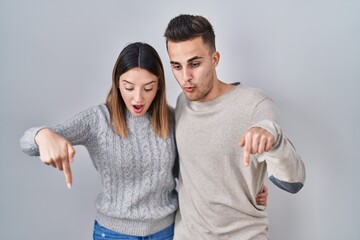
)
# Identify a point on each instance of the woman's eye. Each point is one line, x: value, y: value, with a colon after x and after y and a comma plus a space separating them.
x: 148, y: 89
x: 129, y: 89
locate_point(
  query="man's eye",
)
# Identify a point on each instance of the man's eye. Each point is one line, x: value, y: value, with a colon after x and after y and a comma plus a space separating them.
x: 177, y: 67
x: 194, y: 65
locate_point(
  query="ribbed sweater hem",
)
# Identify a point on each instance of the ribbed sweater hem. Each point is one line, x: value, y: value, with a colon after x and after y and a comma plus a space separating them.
x: 135, y: 227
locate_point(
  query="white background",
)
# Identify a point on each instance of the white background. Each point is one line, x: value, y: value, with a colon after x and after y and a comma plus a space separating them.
x: 56, y: 59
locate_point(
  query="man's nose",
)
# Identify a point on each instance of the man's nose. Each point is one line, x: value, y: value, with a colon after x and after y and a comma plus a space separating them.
x: 187, y: 75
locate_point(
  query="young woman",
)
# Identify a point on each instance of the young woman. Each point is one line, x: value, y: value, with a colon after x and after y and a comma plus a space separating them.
x: 130, y: 140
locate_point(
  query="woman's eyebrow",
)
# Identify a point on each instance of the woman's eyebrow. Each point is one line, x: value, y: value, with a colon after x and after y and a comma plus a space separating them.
x: 126, y: 81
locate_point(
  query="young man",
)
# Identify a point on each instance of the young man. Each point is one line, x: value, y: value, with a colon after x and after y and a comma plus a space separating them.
x: 216, y: 191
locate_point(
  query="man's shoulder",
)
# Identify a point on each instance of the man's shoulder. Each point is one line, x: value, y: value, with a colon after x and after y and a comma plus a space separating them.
x: 248, y: 92
x: 180, y: 99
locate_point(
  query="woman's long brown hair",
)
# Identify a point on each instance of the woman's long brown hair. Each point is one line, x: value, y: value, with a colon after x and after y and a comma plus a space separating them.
x: 139, y: 55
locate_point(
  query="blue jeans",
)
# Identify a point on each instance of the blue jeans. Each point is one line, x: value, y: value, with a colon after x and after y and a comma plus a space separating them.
x: 102, y: 233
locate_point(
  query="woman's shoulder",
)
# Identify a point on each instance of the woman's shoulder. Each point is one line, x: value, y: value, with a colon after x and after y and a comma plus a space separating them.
x: 99, y: 111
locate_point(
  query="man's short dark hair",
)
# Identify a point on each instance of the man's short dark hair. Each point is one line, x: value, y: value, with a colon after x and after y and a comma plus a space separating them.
x: 186, y: 27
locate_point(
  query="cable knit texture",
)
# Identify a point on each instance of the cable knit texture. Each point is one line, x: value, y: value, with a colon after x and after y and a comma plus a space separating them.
x: 138, y: 196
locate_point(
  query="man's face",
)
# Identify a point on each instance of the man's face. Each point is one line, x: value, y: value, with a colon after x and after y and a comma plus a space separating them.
x: 193, y: 65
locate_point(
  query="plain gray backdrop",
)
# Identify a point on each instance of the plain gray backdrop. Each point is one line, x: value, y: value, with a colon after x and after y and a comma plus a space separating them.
x: 56, y: 59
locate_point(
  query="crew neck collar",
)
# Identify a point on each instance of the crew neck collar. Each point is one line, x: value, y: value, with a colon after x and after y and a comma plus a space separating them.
x: 204, y: 105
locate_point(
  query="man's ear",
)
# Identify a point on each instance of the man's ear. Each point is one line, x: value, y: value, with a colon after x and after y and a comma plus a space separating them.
x: 216, y: 58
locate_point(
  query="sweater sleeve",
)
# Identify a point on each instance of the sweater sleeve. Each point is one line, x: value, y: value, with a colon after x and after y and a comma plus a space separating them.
x: 77, y: 130
x: 27, y: 142
x: 284, y: 166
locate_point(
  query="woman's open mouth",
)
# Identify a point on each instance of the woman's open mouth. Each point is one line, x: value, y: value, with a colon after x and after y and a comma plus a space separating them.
x: 138, y: 108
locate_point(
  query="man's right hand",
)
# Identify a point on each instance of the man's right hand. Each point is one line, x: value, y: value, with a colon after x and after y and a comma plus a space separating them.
x: 56, y: 151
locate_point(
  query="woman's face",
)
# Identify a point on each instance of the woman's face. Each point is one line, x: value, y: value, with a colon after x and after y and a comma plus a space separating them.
x: 138, y: 88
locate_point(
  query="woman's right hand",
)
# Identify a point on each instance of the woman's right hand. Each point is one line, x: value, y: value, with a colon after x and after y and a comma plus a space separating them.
x: 56, y: 151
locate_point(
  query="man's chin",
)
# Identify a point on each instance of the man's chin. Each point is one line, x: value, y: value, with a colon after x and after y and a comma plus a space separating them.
x: 190, y: 96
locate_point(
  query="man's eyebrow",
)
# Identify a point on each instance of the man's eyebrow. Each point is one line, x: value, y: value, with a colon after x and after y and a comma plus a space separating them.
x: 173, y: 62
x: 194, y: 58
x: 189, y: 60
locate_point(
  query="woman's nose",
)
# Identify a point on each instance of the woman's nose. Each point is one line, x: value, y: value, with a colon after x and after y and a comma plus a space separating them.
x: 138, y: 97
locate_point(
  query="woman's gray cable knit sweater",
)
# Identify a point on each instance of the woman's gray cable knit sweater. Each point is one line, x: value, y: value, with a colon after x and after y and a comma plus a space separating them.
x: 138, y: 195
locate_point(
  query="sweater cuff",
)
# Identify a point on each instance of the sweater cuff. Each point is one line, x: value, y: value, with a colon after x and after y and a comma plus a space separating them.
x: 270, y: 127
x: 27, y: 142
